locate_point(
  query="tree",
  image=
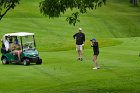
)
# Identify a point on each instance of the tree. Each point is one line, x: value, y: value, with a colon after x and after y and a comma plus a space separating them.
x: 134, y: 2
x: 6, y: 5
x: 55, y: 8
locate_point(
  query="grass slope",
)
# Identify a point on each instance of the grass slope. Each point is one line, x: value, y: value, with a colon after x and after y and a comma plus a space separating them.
x: 115, y: 25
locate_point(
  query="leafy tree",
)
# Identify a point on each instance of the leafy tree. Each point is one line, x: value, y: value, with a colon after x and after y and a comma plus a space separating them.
x: 6, y: 5
x: 55, y: 8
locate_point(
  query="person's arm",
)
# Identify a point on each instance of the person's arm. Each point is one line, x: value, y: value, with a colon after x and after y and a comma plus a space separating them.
x: 83, y: 38
x: 11, y: 47
x: 95, y: 44
x: 91, y: 44
x: 74, y: 35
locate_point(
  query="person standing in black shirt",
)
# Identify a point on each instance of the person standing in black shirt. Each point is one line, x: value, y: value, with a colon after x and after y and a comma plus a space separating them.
x: 95, y: 46
x: 80, y: 39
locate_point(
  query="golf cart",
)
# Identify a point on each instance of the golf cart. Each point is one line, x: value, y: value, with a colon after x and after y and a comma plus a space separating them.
x: 27, y: 44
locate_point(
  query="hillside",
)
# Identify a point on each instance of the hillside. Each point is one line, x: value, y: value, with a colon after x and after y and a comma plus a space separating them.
x: 114, y: 20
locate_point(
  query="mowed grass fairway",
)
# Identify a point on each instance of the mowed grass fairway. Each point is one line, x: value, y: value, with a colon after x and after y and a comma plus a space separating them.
x: 116, y: 27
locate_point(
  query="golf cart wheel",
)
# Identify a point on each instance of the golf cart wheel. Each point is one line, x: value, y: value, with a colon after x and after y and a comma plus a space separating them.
x: 39, y: 61
x: 4, y: 61
x: 26, y: 62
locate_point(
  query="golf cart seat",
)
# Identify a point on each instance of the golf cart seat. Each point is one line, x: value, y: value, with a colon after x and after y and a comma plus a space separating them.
x: 3, y: 50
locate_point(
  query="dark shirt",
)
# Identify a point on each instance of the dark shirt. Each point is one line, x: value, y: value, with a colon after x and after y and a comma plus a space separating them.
x: 95, y: 48
x: 80, y: 38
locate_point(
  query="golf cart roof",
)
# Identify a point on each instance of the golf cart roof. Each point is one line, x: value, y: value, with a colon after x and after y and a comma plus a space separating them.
x: 19, y: 34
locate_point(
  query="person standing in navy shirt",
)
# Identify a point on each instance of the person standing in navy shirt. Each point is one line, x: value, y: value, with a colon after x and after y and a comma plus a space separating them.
x: 80, y: 39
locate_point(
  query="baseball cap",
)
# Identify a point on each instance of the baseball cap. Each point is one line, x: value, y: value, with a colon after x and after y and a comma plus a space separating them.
x: 80, y: 29
x: 93, y: 39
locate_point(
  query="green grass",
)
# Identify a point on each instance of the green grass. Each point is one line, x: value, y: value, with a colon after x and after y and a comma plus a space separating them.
x: 116, y: 27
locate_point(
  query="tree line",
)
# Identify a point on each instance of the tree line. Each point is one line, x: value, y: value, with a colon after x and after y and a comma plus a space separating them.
x: 134, y: 2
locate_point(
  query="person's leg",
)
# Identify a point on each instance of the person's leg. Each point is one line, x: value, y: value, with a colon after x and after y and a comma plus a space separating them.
x: 81, y: 53
x: 18, y: 54
x: 78, y: 52
x: 95, y: 61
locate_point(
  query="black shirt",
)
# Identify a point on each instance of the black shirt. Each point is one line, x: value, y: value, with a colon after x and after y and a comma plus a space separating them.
x: 95, y: 48
x: 80, y: 38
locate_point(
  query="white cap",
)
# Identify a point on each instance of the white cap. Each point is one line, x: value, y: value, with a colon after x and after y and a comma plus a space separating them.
x: 80, y: 29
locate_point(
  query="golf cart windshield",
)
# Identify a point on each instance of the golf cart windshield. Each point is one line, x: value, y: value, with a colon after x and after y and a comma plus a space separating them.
x: 28, y: 42
x: 24, y: 39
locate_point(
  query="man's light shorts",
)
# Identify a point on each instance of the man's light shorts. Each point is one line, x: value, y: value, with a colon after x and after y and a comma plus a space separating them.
x: 79, y: 47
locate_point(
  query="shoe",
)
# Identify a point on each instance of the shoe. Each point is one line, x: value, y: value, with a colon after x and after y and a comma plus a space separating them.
x: 78, y: 58
x: 96, y: 68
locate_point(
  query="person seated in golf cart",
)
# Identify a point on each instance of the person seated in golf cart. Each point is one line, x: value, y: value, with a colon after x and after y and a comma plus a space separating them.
x: 16, y: 48
x: 4, y: 49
